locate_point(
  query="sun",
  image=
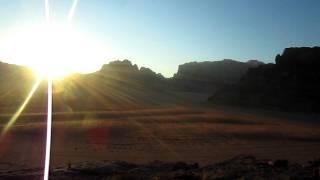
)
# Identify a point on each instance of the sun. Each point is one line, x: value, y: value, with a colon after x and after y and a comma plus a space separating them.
x: 55, y: 50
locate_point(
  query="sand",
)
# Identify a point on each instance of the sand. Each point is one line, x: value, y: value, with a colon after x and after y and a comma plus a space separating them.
x: 203, y: 135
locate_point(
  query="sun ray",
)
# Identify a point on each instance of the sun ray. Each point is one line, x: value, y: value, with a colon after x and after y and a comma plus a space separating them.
x: 47, y: 10
x: 49, y: 112
x: 49, y: 127
x: 72, y: 10
x: 21, y: 108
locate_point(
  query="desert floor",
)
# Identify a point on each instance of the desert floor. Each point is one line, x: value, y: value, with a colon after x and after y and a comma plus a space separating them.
x: 203, y: 135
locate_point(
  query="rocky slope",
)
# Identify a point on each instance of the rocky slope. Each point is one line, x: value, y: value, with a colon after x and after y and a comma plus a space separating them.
x: 289, y: 84
x: 15, y: 85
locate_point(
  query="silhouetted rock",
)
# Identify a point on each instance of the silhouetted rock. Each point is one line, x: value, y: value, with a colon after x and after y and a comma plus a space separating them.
x: 290, y: 84
x: 119, y: 84
x: 126, y: 71
x: 119, y: 68
x: 211, y: 75
x: 297, y: 58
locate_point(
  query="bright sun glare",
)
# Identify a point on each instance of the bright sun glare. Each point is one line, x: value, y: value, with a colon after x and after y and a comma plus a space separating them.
x: 55, y: 50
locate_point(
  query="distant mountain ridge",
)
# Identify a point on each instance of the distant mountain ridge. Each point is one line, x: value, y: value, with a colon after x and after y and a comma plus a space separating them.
x: 227, y: 70
x: 127, y: 72
x: 119, y: 84
x: 210, y: 75
x: 123, y: 84
x: 289, y: 84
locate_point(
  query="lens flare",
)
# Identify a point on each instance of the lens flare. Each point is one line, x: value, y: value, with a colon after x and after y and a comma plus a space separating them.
x: 21, y: 108
x: 72, y: 10
x: 49, y: 127
x: 49, y: 111
x: 46, y: 8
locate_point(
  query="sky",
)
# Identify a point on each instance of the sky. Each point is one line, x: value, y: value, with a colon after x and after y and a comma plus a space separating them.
x: 161, y: 34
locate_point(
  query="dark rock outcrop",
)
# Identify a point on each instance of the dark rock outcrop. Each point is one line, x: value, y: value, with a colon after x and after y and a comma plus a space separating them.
x: 290, y: 84
x: 211, y: 75
x: 126, y: 71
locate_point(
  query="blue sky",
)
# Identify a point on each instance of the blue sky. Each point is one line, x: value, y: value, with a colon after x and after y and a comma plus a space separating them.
x: 161, y: 34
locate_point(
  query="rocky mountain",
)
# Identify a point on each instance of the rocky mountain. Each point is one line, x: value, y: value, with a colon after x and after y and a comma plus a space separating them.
x: 289, y: 84
x: 211, y: 75
x: 126, y: 72
x: 119, y: 84
x: 123, y: 84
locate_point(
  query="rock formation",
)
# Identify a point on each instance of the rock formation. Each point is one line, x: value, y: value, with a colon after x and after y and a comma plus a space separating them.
x: 289, y: 84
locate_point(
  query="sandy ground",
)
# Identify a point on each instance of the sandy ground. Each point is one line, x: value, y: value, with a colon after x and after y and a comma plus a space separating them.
x: 168, y: 134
